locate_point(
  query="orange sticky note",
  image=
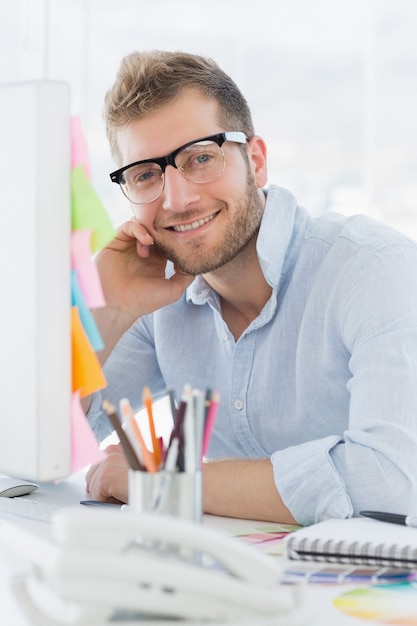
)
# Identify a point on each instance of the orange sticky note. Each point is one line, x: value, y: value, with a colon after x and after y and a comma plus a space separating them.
x: 85, y: 447
x: 87, y: 375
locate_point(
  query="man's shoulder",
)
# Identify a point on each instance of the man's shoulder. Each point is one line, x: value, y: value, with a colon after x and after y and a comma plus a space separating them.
x: 360, y: 230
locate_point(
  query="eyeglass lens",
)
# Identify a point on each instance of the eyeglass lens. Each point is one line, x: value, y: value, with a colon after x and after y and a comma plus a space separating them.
x: 199, y: 162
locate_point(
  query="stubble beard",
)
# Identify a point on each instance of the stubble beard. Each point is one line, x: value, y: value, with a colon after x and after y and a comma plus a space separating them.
x: 236, y: 237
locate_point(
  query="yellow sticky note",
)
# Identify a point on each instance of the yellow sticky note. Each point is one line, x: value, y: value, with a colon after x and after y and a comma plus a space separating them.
x: 87, y: 210
x: 87, y: 375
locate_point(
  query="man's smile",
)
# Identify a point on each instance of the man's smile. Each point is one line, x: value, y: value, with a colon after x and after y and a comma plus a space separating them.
x: 181, y: 228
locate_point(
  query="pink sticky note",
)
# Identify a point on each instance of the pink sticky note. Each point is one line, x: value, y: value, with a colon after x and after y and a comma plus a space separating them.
x: 79, y: 150
x: 87, y: 273
x: 85, y: 447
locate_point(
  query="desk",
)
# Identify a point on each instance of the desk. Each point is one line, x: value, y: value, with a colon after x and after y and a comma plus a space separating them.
x: 71, y: 491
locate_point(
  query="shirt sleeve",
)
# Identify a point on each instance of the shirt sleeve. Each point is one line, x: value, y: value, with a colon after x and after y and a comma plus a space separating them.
x: 373, y: 463
x: 131, y: 362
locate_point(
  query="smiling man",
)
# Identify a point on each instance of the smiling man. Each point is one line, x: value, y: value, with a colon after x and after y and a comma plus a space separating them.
x: 306, y: 327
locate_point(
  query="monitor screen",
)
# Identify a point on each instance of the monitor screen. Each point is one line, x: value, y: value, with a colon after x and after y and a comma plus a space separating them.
x: 35, y: 270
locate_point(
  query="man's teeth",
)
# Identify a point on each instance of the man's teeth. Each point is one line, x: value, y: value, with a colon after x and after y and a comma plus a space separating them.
x: 181, y: 228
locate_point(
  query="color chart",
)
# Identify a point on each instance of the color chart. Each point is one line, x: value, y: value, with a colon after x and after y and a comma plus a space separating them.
x: 385, y: 604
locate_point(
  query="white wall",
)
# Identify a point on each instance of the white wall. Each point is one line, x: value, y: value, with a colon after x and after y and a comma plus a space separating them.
x: 332, y: 83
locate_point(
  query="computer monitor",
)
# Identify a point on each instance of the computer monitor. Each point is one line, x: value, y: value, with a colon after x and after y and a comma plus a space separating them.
x: 35, y: 271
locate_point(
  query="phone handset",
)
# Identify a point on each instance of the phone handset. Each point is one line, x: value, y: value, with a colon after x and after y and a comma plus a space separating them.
x: 105, y: 562
x: 78, y: 529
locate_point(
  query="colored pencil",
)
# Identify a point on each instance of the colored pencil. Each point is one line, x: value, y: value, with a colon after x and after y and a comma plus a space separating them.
x: 130, y: 454
x: 147, y: 401
x: 132, y: 429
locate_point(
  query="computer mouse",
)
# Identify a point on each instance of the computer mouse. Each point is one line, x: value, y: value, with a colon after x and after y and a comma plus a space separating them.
x: 12, y: 487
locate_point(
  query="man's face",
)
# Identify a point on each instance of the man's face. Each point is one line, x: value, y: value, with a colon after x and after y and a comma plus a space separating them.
x: 198, y: 226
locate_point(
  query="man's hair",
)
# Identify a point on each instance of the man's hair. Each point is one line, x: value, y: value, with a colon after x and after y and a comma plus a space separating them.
x: 147, y: 81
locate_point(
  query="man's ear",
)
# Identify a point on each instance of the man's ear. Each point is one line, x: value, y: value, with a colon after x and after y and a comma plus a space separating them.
x: 257, y: 153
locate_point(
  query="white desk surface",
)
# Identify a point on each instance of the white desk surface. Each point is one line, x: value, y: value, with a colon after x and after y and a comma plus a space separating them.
x: 71, y: 491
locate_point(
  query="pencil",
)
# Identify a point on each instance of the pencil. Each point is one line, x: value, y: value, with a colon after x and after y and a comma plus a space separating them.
x: 133, y: 428
x: 130, y: 454
x: 147, y: 401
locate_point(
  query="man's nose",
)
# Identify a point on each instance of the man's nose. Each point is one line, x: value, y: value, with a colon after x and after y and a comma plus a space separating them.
x: 178, y: 192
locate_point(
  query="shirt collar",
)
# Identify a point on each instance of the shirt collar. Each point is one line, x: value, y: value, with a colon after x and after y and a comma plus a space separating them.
x: 275, y: 233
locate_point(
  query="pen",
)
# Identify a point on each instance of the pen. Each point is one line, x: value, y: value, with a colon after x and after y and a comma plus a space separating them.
x: 178, y: 429
x: 101, y: 503
x: 393, y: 518
x: 190, y: 437
x: 210, y: 418
x: 172, y: 403
x: 169, y: 469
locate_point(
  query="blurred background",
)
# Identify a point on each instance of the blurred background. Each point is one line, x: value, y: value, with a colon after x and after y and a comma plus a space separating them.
x: 332, y: 84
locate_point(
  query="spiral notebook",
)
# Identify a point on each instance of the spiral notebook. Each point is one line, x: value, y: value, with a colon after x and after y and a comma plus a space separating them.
x: 358, y: 541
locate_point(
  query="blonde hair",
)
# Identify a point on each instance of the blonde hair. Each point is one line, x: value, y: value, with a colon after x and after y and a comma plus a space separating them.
x: 146, y: 81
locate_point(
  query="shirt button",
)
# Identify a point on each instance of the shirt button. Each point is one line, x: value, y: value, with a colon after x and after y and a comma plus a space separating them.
x: 238, y: 405
x: 224, y: 336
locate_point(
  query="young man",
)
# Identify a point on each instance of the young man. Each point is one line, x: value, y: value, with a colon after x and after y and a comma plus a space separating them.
x: 306, y: 327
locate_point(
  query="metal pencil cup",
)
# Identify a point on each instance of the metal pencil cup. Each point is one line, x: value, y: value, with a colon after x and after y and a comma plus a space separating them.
x: 167, y: 493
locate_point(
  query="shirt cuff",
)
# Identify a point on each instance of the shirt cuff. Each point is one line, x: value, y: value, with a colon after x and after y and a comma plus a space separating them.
x: 308, y: 482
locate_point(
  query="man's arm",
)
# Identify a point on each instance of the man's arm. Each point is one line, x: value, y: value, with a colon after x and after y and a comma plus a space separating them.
x: 132, y: 274
x: 244, y: 488
x: 231, y: 488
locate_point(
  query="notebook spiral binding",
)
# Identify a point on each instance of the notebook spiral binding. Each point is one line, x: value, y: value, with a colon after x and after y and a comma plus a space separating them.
x: 352, y: 552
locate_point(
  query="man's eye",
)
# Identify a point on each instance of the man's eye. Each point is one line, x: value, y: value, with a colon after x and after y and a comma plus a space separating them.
x: 201, y: 159
x: 144, y: 176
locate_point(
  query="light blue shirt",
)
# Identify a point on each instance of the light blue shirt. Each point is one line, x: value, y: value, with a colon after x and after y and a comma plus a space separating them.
x: 323, y: 381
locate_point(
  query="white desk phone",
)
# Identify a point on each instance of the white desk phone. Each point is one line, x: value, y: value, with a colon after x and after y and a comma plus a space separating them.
x: 106, y: 566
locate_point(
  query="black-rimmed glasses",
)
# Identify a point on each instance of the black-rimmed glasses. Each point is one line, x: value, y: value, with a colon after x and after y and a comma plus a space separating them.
x: 199, y: 161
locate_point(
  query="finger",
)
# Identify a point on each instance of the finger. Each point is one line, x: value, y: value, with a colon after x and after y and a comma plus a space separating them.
x: 114, y: 449
x: 134, y: 230
x: 111, y: 482
x: 130, y: 234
